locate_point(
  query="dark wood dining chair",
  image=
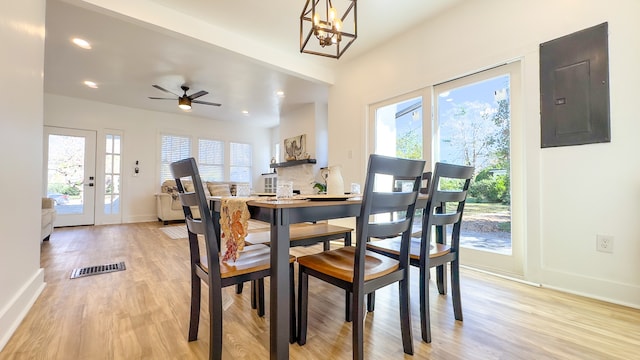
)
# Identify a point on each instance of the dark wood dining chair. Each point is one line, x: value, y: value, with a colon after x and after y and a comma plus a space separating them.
x: 209, y: 268
x: 359, y: 271
x: 446, y: 227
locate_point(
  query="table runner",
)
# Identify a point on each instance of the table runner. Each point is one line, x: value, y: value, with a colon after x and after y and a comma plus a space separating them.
x: 234, y: 224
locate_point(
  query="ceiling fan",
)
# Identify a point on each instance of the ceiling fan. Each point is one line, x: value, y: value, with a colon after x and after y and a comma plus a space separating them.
x: 184, y: 101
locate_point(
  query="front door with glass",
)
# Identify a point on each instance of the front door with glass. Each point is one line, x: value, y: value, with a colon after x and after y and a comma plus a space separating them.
x: 69, y: 174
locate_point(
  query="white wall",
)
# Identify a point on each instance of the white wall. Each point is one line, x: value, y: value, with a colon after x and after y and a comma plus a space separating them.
x: 21, y: 278
x: 571, y: 193
x: 309, y: 119
x: 142, y: 129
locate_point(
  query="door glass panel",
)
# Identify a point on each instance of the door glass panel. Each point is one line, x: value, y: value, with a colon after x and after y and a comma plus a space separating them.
x: 65, y: 173
x: 398, y: 129
x: 112, y: 177
x: 474, y: 129
x: 398, y: 133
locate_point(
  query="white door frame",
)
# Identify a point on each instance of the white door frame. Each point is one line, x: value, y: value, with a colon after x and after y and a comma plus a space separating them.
x: 87, y: 214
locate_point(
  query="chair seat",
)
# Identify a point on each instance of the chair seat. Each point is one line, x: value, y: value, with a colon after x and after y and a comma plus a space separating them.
x: 392, y: 246
x: 303, y: 233
x: 339, y: 263
x: 253, y: 258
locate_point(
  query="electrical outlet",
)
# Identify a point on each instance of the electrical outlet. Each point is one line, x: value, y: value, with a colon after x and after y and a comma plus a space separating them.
x: 604, y: 243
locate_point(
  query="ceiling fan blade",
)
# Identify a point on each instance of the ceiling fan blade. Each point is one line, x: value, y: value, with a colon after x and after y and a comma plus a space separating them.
x: 198, y: 94
x: 206, y: 103
x: 157, y: 98
x: 165, y: 90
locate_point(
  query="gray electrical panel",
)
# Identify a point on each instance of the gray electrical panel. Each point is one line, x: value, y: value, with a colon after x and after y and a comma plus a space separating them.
x: 574, y: 88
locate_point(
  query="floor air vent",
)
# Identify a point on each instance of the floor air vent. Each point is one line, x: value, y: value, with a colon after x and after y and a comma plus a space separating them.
x: 99, y: 269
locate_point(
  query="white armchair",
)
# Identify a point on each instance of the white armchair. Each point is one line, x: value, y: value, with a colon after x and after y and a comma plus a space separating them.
x: 169, y: 207
x: 48, y: 217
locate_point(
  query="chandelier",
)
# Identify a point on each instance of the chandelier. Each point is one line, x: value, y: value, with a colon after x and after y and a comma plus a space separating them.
x: 323, y: 31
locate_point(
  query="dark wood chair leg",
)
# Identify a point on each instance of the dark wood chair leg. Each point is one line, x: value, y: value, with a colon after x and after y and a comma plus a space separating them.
x: 194, y: 319
x: 254, y: 294
x: 357, y: 326
x: 441, y: 278
x: 405, y: 316
x: 215, y: 333
x: 239, y: 288
x: 347, y: 239
x: 303, y: 303
x: 371, y: 301
x: 348, y: 302
x: 261, y: 297
x: 326, y: 246
x: 455, y: 290
x: 425, y: 322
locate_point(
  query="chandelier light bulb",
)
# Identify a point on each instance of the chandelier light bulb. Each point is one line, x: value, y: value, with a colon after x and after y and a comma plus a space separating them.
x: 338, y: 25
x: 332, y: 14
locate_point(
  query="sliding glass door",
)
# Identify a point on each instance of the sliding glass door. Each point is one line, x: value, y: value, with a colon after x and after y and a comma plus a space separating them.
x: 476, y: 123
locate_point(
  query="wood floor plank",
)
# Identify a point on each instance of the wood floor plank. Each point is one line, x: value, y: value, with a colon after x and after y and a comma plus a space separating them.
x: 142, y: 312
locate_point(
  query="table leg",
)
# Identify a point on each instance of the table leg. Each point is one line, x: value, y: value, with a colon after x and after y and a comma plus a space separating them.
x: 279, y: 289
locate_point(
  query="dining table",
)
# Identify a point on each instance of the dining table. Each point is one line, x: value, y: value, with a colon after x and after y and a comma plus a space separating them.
x: 280, y: 213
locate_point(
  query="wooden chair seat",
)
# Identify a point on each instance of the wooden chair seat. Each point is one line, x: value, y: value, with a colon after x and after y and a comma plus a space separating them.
x: 253, y: 258
x: 339, y: 264
x: 305, y: 234
x: 392, y: 246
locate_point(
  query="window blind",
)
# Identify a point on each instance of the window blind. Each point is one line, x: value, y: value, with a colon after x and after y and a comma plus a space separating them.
x: 211, y: 159
x: 173, y: 148
x: 240, y: 162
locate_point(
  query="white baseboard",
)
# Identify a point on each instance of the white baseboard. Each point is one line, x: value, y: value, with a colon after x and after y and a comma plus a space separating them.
x: 14, y: 312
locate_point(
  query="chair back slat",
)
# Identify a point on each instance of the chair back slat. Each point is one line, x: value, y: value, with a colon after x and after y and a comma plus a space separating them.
x: 195, y: 226
x: 381, y: 230
x: 189, y: 199
x: 373, y: 220
x: 446, y: 206
x: 449, y: 196
x: 391, y: 201
x: 445, y: 219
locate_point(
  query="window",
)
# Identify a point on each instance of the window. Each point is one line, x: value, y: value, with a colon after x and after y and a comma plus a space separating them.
x: 112, y: 172
x: 173, y: 148
x: 397, y: 130
x: 240, y: 162
x: 211, y: 159
x: 402, y: 121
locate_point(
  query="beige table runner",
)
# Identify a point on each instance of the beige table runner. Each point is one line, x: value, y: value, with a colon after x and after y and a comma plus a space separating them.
x: 234, y: 224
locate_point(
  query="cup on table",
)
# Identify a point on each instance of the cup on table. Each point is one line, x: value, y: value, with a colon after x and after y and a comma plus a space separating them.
x: 284, y: 190
x: 243, y: 190
x: 355, y: 188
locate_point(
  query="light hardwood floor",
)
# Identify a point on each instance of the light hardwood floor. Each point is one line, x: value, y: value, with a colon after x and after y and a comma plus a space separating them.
x: 142, y: 312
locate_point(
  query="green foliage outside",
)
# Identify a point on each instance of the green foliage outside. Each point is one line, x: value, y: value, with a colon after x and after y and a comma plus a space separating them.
x: 71, y: 190
x: 409, y: 145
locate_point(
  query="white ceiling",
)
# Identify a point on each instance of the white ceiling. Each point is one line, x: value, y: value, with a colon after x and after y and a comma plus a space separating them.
x: 128, y: 56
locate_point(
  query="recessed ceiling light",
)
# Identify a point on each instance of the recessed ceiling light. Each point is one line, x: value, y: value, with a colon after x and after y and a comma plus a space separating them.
x: 245, y: 112
x: 280, y: 93
x: 91, y: 84
x: 82, y: 43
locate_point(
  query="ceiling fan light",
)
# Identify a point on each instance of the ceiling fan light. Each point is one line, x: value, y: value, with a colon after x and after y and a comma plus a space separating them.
x: 184, y: 103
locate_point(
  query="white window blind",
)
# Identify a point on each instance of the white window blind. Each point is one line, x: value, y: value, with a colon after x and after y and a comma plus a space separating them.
x: 173, y: 148
x: 240, y: 162
x: 211, y: 159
